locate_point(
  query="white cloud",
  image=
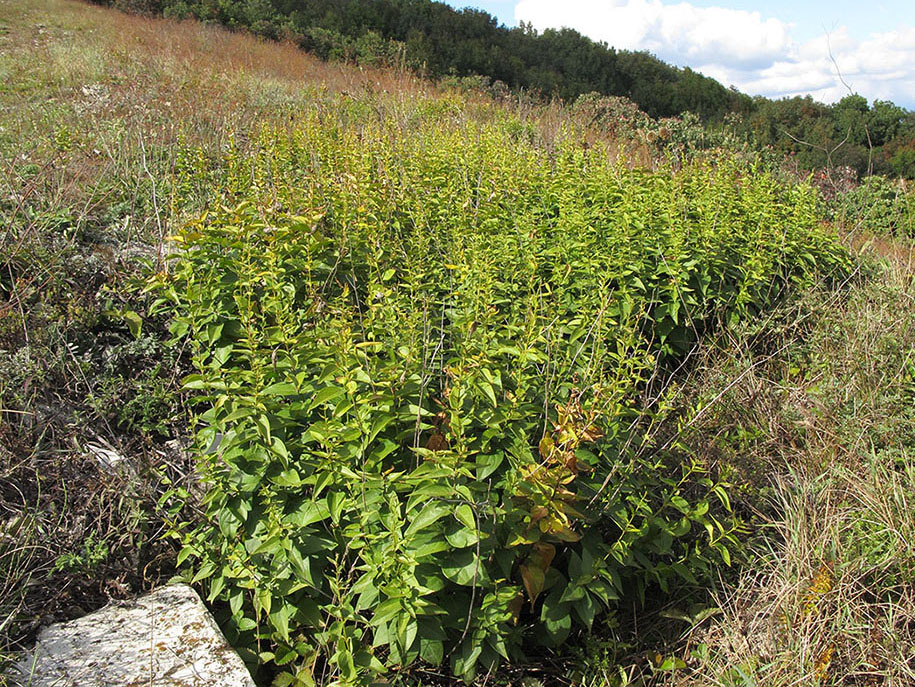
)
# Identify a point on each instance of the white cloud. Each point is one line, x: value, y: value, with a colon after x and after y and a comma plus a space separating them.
x: 755, y: 53
x: 702, y: 35
x: 878, y: 67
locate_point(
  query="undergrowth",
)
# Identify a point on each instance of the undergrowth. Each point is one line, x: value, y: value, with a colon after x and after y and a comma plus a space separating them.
x: 421, y: 354
x: 814, y: 414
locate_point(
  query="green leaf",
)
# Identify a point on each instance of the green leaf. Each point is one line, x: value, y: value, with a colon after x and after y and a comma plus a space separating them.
x: 344, y: 660
x: 285, y: 656
x: 463, y: 663
x: 335, y: 503
x: 385, y: 611
x: 463, y: 567
x: 680, y: 504
x: 309, y: 512
x: 263, y: 427
x: 432, y: 651
x: 280, y: 389
x: 228, y: 523
x: 288, y: 478
x: 245, y: 624
x: 184, y: 553
x: 429, y: 579
x: 325, y: 395
x: 572, y: 592
x: 430, y: 513
x: 217, y: 584
x: 407, y: 634
x: 206, y: 570
x: 178, y: 327
x: 214, y: 332
x: 460, y: 537
x: 381, y: 636
x: 134, y: 323
x: 221, y: 354
x: 279, y: 617
x: 556, y: 616
x: 194, y: 382
x: 464, y: 514
x: 671, y: 663
x: 490, y: 393
x: 378, y: 425
x: 585, y: 609
x: 427, y: 543
x: 301, y: 564
x: 488, y: 464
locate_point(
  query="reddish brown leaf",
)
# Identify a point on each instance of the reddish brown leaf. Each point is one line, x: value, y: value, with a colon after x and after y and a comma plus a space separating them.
x: 538, y: 513
x: 546, y: 446
x: 533, y: 573
x: 542, y: 555
x: 533, y: 579
x: 592, y: 433
x: 571, y: 462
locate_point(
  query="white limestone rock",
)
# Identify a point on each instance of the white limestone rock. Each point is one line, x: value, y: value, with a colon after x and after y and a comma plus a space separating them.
x: 164, y: 639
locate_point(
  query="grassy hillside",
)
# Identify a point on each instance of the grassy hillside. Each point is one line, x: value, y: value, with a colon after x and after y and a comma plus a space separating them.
x: 438, y: 40
x: 92, y: 106
x: 414, y: 383
x: 469, y: 46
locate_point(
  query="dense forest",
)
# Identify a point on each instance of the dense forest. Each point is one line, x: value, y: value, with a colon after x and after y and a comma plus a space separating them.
x: 440, y: 42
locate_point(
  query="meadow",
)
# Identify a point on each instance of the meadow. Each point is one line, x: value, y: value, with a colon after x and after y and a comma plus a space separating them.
x: 418, y: 384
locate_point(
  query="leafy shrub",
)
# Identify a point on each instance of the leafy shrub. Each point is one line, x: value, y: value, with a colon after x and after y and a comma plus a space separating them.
x: 369, y: 49
x: 679, y: 139
x: 879, y: 205
x: 902, y: 161
x: 420, y: 355
x: 497, y: 89
x: 615, y: 114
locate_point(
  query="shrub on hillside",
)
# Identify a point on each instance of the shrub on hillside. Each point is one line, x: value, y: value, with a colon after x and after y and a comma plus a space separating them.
x: 878, y: 205
x: 421, y: 357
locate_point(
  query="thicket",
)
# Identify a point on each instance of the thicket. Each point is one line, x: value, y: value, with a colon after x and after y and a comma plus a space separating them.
x: 875, y: 138
x: 429, y: 353
x: 112, y: 160
x: 877, y: 205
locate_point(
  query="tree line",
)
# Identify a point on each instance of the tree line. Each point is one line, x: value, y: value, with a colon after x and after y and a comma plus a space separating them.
x: 876, y: 138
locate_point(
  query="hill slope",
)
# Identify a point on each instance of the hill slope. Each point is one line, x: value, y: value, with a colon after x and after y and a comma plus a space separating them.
x: 440, y: 41
x: 396, y: 272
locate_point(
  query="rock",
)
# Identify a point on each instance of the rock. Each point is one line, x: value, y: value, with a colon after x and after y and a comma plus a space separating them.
x: 107, y: 458
x: 166, y: 638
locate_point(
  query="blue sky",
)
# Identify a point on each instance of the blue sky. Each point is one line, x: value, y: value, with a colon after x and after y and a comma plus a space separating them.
x: 777, y: 48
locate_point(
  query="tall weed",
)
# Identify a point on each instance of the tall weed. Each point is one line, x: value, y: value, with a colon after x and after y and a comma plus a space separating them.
x: 420, y: 355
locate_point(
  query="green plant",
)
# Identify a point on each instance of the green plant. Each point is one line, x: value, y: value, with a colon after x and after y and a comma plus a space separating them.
x: 419, y: 427
x: 878, y: 205
x: 91, y: 554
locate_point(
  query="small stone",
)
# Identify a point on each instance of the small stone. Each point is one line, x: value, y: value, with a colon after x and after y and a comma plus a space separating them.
x: 106, y: 457
x: 164, y: 638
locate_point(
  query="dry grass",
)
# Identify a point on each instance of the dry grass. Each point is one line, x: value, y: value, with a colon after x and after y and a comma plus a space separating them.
x: 822, y: 438
x: 832, y: 601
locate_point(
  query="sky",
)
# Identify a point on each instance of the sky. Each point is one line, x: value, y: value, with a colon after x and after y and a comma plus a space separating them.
x: 776, y: 48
